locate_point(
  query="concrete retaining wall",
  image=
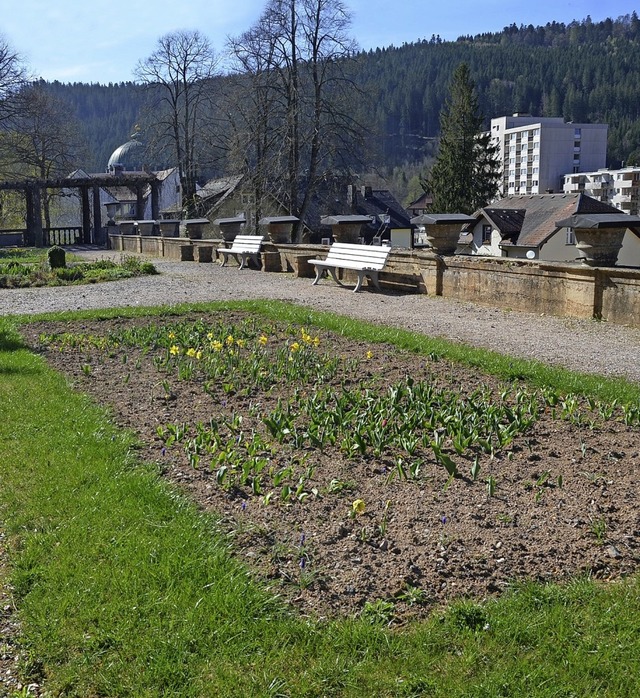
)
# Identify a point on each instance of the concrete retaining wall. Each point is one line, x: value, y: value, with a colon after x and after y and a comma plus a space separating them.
x: 564, y: 289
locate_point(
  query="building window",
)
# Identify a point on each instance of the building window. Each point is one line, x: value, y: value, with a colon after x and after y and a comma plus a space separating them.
x: 486, y: 234
x: 571, y: 237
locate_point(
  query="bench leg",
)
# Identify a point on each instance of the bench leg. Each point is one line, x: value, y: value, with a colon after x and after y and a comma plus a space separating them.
x: 320, y: 273
x: 243, y: 259
x: 332, y: 271
x: 224, y: 259
x: 373, y: 277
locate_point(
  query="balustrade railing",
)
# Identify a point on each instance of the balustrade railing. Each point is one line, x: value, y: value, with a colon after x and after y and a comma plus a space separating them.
x: 67, y: 235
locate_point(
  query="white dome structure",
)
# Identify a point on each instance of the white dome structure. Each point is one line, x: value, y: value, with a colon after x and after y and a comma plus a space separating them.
x: 127, y: 157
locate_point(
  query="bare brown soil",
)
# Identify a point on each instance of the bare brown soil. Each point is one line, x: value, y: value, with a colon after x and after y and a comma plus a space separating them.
x: 565, y: 501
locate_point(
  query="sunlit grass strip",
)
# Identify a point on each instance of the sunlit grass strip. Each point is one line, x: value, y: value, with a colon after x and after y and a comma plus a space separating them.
x: 125, y: 589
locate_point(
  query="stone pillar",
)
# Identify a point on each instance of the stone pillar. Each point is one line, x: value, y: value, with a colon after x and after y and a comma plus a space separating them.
x: 203, y: 253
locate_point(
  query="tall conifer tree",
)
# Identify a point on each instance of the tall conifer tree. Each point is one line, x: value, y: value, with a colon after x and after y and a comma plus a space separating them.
x: 466, y: 173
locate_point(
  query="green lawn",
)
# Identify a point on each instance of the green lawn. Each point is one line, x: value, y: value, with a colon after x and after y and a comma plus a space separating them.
x: 125, y: 589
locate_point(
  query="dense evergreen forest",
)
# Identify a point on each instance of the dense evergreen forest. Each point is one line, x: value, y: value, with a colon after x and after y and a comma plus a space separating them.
x: 584, y: 71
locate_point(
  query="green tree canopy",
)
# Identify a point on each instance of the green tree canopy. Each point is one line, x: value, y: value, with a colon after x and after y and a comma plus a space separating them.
x: 466, y: 172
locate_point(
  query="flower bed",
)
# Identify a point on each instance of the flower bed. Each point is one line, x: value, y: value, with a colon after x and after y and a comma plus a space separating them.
x: 358, y: 478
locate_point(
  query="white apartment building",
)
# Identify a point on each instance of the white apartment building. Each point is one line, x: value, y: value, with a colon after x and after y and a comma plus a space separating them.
x: 536, y: 152
x: 620, y: 188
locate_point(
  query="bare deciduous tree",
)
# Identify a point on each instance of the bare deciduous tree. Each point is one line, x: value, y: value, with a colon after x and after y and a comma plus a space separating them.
x: 13, y: 76
x: 42, y: 140
x: 178, y: 75
x: 294, y: 63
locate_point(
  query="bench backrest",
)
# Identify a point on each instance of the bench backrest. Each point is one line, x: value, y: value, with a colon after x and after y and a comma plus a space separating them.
x: 368, y: 256
x: 247, y: 243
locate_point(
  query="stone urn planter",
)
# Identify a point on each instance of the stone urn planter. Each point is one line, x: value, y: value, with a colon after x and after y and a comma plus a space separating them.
x: 230, y: 227
x: 443, y: 230
x: 346, y: 228
x: 279, y: 228
x: 195, y: 227
x: 599, y: 248
x: 126, y: 227
x: 145, y: 227
x: 599, y: 236
x: 169, y: 228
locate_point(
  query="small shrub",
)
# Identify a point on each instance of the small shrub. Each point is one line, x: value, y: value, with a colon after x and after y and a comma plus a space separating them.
x: 148, y: 268
x: 15, y: 269
x: 57, y: 257
x: 69, y: 274
x: 467, y: 615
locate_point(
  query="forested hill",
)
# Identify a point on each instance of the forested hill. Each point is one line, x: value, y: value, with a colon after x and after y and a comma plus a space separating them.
x: 584, y: 71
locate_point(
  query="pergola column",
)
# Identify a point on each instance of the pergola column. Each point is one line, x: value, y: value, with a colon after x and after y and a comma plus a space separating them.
x: 86, y: 215
x: 97, y: 215
x: 35, y: 235
x: 139, y: 203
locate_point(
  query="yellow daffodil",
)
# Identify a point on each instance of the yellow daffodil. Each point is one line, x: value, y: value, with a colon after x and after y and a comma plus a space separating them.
x: 358, y: 506
x: 294, y: 347
x: 175, y: 349
x: 216, y: 346
x: 199, y: 354
x: 191, y: 352
x: 210, y: 336
x: 263, y: 339
x: 240, y: 342
x: 369, y: 355
x: 230, y: 340
x: 172, y: 335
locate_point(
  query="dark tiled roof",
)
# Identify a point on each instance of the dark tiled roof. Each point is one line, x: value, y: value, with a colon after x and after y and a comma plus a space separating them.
x: 541, y: 211
x: 332, y: 200
x: 507, y: 220
x: 382, y: 202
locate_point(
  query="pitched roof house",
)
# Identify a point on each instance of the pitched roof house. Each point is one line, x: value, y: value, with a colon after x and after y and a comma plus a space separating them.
x: 232, y: 197
x: 389, y: 220
x: 526, y: 227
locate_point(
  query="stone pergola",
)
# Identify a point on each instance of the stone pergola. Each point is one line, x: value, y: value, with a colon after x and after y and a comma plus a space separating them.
x: 89, y: 188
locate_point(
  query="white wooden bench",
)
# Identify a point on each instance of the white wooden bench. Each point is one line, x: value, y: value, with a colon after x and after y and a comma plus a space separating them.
x: 365, y: 260
x: 243, y: 249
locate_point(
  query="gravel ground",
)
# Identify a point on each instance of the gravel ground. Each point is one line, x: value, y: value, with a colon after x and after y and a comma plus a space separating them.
x: 583, y: 345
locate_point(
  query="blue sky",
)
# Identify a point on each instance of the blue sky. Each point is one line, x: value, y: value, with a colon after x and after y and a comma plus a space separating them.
x: 102, y: 40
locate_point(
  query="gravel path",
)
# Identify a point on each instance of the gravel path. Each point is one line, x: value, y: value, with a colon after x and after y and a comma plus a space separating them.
x: 583, y: 345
